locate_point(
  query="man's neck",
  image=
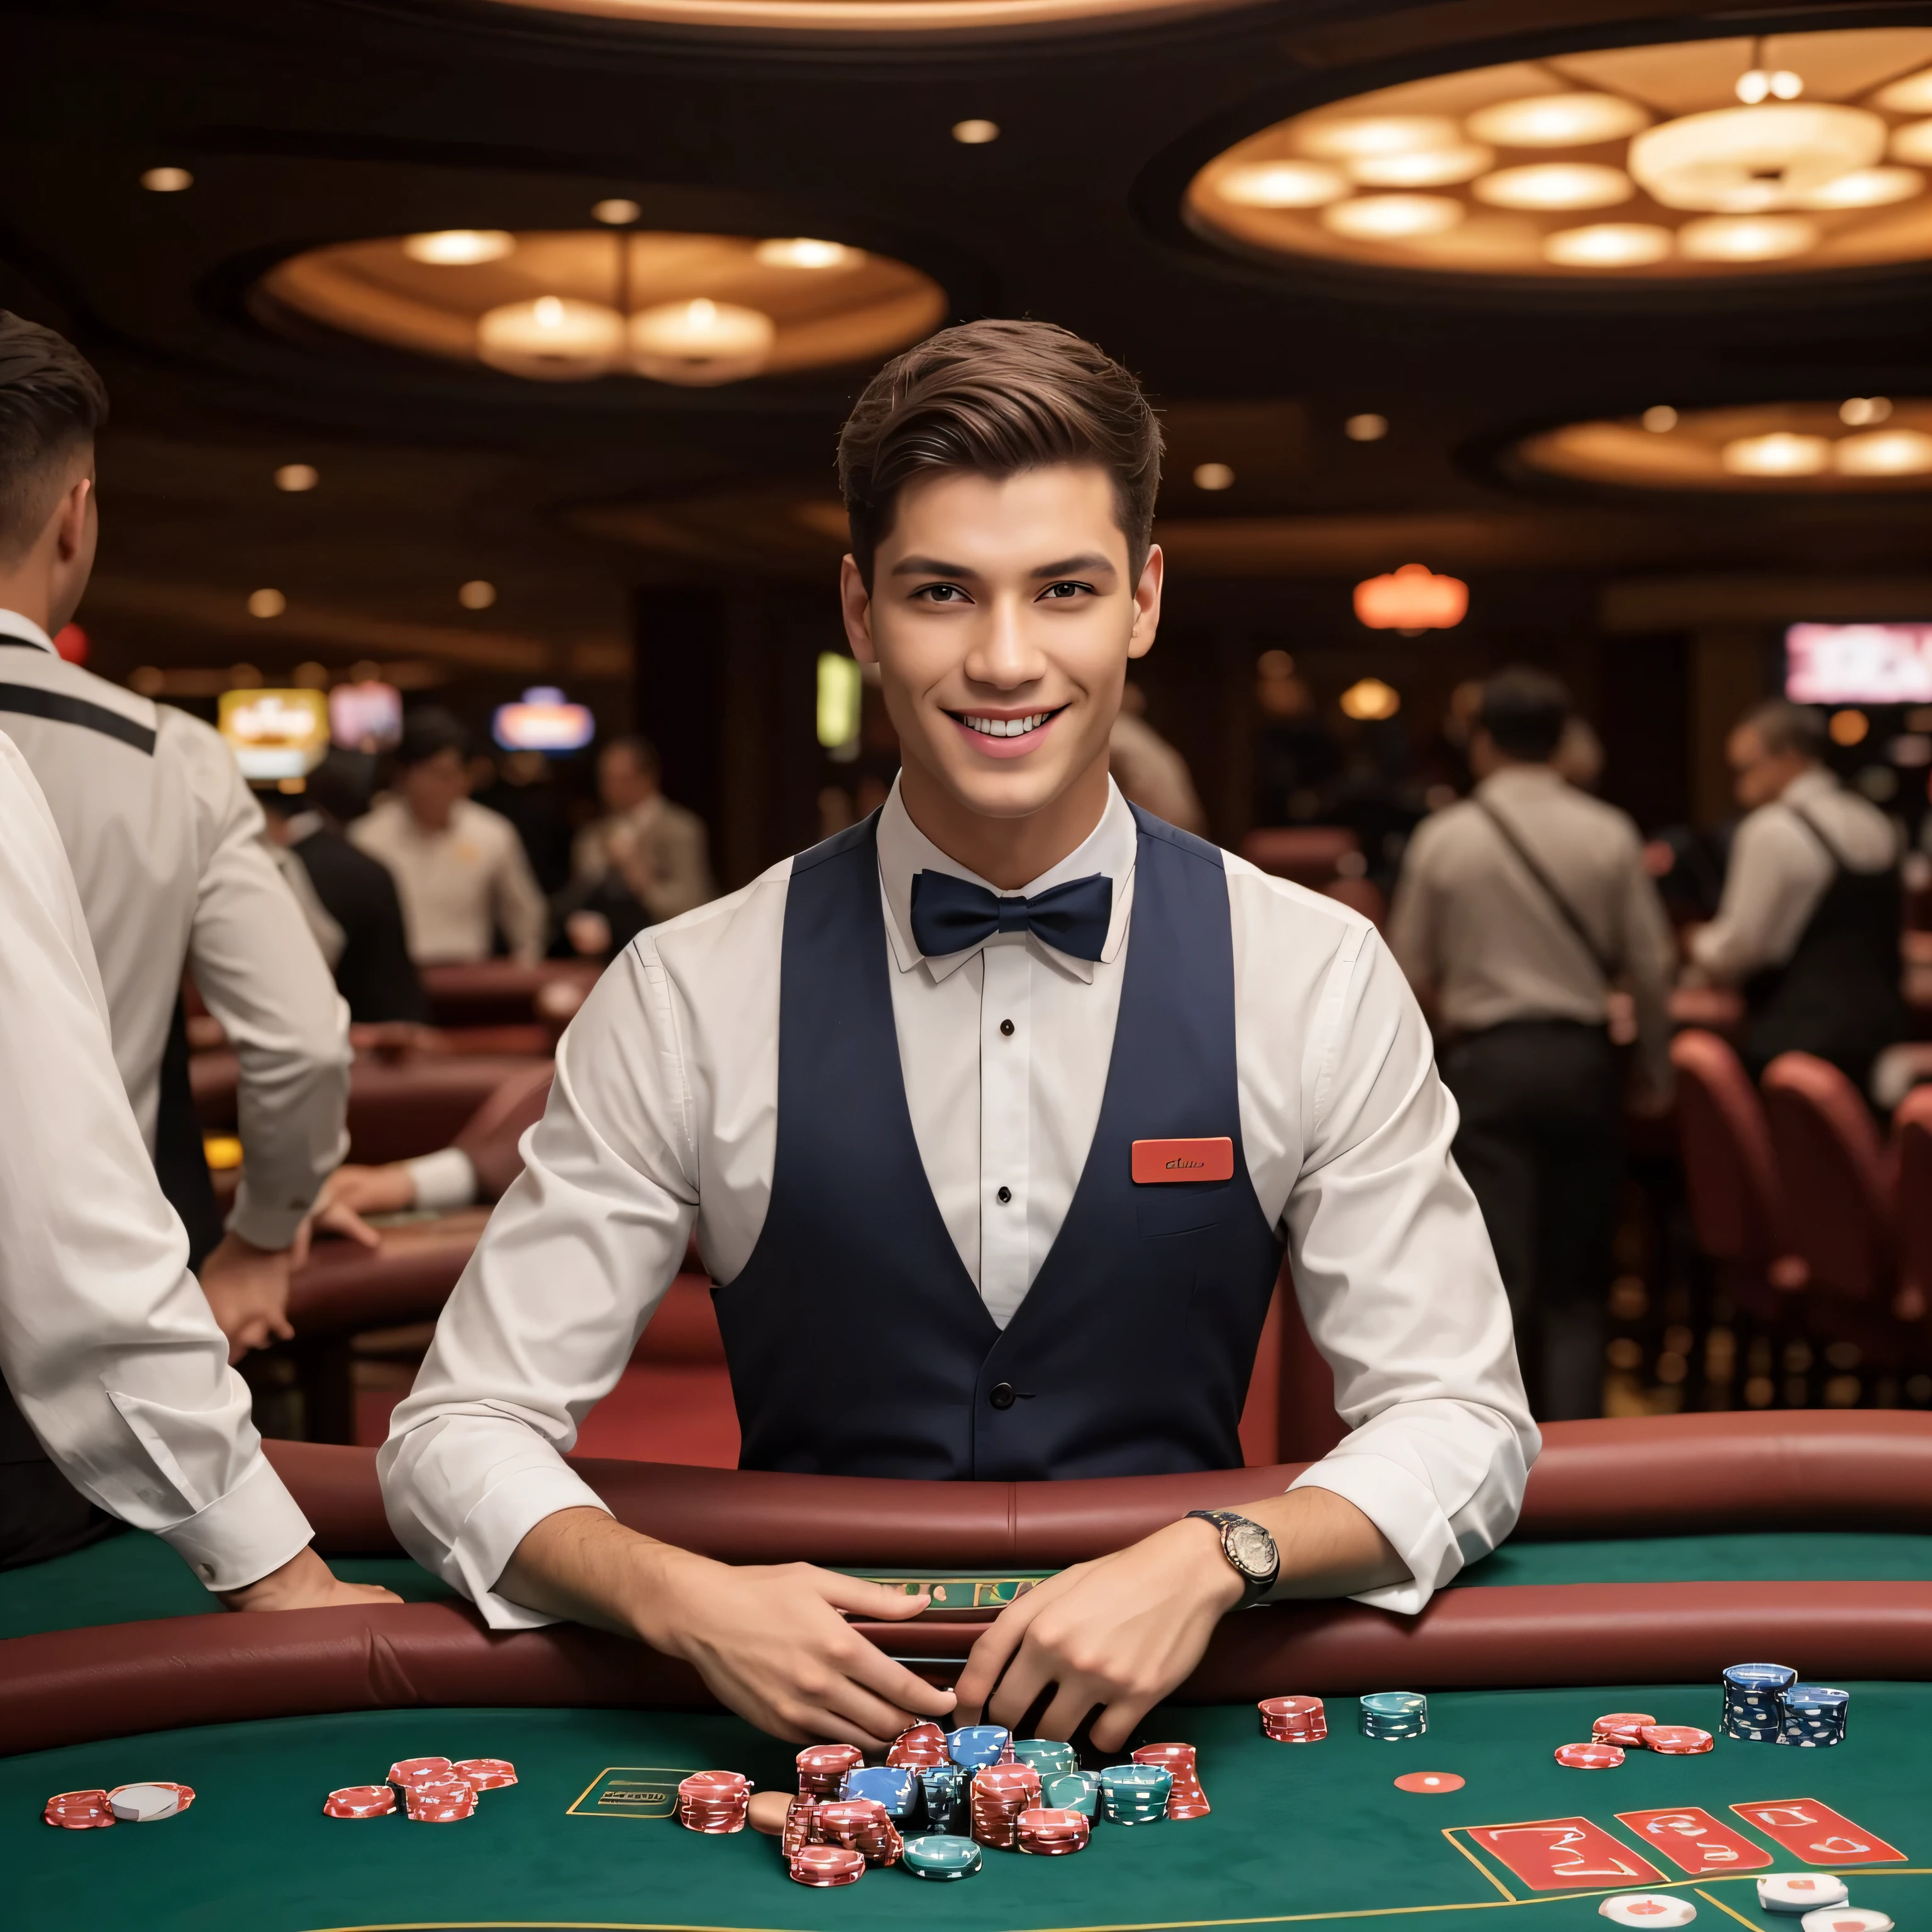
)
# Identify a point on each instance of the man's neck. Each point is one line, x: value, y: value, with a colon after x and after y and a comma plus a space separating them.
x: 1008, y: 852
x: 430, y: 826
x: 25, y: 598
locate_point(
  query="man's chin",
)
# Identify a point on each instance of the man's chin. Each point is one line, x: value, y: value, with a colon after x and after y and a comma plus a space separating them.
x: 1014, y: 790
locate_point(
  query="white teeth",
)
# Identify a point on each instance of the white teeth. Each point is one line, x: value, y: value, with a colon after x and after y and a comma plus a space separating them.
x: 1008, y: 727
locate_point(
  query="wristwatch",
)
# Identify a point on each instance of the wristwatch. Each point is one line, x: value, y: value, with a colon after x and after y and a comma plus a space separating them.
x: 1248, y: 1547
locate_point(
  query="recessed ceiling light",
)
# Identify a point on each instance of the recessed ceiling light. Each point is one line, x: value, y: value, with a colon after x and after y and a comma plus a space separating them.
x: 1883, y: 452
x: 1392, y: 217
x: 478, y: 594
x: 1779, y: 454
x: 1913, y: 143
x: 1557, y: 120
x: 297, y: 477
x: 1660, y: 418
x: 1427, y: 167
x: 616, y: 212
x: 555, y: 338
x: 1912, y: 95
x: 1356, y: 137
x: 458, y: 248
x: 1554, y: 184
x: 1608, y: 244
x: 1282, y: 184
x: 1866, y: 187
x: 975, y: 134
x: 1757, y: 85
x: 1746, y: 160
x: 1857, y: 411
x: 1368, y: 427
x: 1370, y: 700
x: 1212, y: 476
x: 266, y: 603
x: 800, y: 252
x: 166, y: 180
x: 701, y: 341
x: 1747, y: 238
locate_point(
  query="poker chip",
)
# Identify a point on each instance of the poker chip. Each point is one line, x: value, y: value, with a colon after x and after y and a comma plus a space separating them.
x: 1186, y: 1799
x: 1813, y: 1714
x: 973, y: 1745
x: 715, y: 1802
x: 1800, y: 1892
x: 942, y: 1856
x: 1293, y: 1720
x: 1046, y: 1755
x: 920, y: 1748
x: 801, y: 1824
x: 1048, y: 1832
x: 943, y: 1788
x: 822, y: 1768
x: 485, y: 1774
x: 1135, y: 1794
x: 1428, y: 1781
x: 1072, y: 1791
x: 78, y: 1810
x: 1845, y: 1918
x: 1676, y: 1740
x: 1590, y: 1756
x: 440, y: 1801
x: 999, y: 1793
x: 143, y: 1803
x: 895, y: 1786
x: 1622, y: 1727
x: 1647, y: 1908
x: 1394, y: 1716
x: 1754, y: 1701
x: 408, y: 1771
x: 360, y: 1800
x: 860, y: 1825
x: 827, y: 1865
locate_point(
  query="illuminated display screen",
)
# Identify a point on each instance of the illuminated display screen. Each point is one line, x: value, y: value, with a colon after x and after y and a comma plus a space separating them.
x: 1859, y: 664
x: 543, y: 720
x: 275, y: 734
x: 366, y: 717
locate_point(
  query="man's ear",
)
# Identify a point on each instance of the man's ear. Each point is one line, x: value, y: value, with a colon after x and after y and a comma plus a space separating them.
x: 70, y: 519
x: 1147, y: 603
x: 855, y: 602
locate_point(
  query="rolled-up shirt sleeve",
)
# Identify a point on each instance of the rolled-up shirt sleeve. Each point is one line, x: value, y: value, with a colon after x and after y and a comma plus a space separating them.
x: 106, y: 1340
x: 1400, y: 1288
x: 577, y: 1257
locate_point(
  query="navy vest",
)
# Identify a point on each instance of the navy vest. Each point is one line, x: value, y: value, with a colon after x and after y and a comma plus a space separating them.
x: 858, y: 1344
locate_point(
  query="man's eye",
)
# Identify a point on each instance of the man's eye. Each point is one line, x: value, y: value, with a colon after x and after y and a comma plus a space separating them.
x: 942, y: 593
x: 1063, y: 591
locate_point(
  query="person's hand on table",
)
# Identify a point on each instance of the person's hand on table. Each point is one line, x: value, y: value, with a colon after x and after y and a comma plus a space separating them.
x: 304, y: 1582
x: 248, y: 1288
x: 351, y: 1192
x: 1116, y: 1636
x: 770, y: 1639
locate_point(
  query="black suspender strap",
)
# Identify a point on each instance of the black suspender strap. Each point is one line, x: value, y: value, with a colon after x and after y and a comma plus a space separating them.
x: 1605, y: 965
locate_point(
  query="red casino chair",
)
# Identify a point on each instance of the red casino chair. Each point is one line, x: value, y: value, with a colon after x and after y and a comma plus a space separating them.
x: 1310, y: 855
x: 1912, y: 1139
x: 1730, y: 1173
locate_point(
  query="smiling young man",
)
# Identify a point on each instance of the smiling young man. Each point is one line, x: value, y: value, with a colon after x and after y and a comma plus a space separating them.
x: 992, y: 1115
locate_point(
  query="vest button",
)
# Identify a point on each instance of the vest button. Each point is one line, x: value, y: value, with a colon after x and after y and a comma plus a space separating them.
x: 1007, y: 1027
x: 1006, y: 1194
x: 1002, y: 1395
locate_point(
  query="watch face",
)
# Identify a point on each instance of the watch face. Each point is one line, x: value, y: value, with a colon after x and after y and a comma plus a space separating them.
x: 1252, y: 1548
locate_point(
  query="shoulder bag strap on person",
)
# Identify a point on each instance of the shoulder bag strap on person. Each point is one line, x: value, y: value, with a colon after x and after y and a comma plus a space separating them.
x: 1817, y: 831
x: 1567, y: 912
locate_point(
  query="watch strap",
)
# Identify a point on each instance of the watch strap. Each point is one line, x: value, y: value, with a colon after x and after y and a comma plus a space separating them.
x: 1254, y: 1587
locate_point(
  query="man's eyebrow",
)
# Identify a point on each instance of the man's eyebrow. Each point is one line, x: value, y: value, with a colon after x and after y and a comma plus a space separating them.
x: 930, y: 566
x: 1091, y: 563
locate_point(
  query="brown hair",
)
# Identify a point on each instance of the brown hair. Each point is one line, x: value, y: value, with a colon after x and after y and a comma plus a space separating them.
x: 996, y: 398
x: 1782, y: 726
x: 51, y: 402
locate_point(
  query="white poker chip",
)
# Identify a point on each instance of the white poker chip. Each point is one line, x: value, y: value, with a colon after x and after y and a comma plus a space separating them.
x: 1845, y: 1918
x: 140, y: 1804
x: 1647, y: 1908
x: 1800, y: 1892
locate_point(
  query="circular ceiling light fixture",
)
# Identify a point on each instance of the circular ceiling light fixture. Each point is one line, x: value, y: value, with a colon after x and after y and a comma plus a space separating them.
x: 1369, y: 700
x: 760, y: 20
x: 1809, y: 447
x: 1839, y: 179
x: 573, y: 305
x: 459, y: 248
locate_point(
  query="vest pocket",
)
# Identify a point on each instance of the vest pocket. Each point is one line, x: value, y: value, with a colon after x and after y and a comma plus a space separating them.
x: 1181, y: 1208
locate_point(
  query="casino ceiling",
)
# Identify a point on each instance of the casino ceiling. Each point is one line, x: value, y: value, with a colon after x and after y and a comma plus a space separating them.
x: 399, y: 296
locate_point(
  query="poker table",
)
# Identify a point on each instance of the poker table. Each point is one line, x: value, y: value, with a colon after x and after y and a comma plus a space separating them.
x: 1650, y: 1554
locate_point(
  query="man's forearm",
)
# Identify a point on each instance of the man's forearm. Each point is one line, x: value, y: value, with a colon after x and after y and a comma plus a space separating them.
x: 585, y: 1565
x: 1328, y: 1547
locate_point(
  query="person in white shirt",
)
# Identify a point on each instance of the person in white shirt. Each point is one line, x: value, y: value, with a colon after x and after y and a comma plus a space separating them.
x: 167, y: 849
x: 118, y: 1401
x: 460, y: 868
x: 992, y: 1115
x: 1149, y: 771
x: 1809, y: 922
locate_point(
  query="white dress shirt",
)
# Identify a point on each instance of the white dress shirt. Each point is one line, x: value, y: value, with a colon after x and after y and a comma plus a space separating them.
x: 106, y: 1340
x: 173, y: 863
x: 664, y: 1115
x: 459, y: 885
x: 1778, y: 874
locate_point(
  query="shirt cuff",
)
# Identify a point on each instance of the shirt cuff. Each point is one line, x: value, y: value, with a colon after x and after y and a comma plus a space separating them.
x: 1405, y: 1511
x: 260, y: 1223
x: 443, y: 1180
x: 239, y: 1538
x: 507, y: 1513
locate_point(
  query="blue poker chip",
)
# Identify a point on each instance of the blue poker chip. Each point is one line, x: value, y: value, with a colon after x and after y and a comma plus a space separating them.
x: 975, y: 1745
x: 892, y: 1786
x: 1760, y: 1677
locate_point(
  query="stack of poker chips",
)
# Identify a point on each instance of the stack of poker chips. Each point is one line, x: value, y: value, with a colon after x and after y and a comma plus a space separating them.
x: 895, y: 1788
x: 1624, y: 1729
x: 941, y: 1855
x: 1676, y: 1740
x: 1048, y: 1832
x: 447, y: 1800
x: 1135, y: 1794
x: 859, y: 1825
x: 715, y: 1802
x: 1186, y: 1799
x: 822, y: 1769
x: 826, y: 1865
x: 919, y: 1749
x: 943, y: 1787
x: 1072, y: 1791
x: 1394, y: 1716
x: 124, y: 1803
x: 1046, y: 1756
x: 1000, y: 1793
x: 1814, y: 1715
x: 435, y: 1791
x: 1753, y: 1697
x: 977, y: 1745
x: 801, y: 1825
x: 1293, y: 1720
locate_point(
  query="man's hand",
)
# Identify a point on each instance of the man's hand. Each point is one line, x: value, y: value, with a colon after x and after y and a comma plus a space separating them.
x: 350, y: 1192
x: 1117, y: 1635
x: 247, y: 1288
x: 304, y: 1582
x: 769, y: 1639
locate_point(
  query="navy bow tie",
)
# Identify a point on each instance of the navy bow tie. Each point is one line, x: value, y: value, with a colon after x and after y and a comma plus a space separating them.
x: 952, y: 915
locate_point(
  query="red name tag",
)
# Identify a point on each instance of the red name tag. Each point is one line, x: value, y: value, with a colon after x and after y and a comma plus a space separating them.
x: 1183, y: 1160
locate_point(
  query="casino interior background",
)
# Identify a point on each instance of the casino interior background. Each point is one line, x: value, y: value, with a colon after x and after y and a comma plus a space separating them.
x: 474, y: 347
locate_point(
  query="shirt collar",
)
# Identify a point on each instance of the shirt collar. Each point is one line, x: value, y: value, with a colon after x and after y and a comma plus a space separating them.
x: 25, y: 631
x: 1520, y: 778
x: 904, y: 850
x: 1820, y: 784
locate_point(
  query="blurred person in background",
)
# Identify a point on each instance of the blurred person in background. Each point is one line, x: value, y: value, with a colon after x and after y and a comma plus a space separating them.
x: 174, y: 876
x: 521, y: 787
x: 460, y: 868
x: 1521, y: 911
x: 1149, y: 771
x: 1808, y: 923
x: 645, y: 860
x: 360, y: 929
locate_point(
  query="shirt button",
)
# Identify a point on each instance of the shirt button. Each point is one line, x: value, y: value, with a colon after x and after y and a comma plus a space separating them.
x: 1007, y: 1027
x: 1002, y: 1395
x: 1006, y: 1194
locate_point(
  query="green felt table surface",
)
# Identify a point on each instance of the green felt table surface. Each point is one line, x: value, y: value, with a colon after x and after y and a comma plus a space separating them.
x: 1297, y: 1833
x: 132, y: 1577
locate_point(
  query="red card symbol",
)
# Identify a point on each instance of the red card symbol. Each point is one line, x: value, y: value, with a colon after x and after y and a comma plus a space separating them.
x: 1690, y: 1838
x: 1558, y: 1854
x: 1817, y: 1834
x: 1183, y: 1160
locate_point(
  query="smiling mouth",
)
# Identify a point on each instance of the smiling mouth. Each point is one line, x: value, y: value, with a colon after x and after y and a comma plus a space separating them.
x: 1004, y: 727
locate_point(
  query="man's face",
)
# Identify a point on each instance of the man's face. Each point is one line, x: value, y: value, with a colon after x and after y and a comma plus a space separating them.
x: 1761, y: 774
x: 432, y: 788
x: 1002, y: 616
x: 620, y: 784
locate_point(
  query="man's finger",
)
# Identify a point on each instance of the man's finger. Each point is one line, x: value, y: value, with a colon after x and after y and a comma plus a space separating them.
x: 993, y: 1650
x: 858, y: 1598
x: 1115, y: 1725
x: 339, y: 1218
x: 877, y: 1672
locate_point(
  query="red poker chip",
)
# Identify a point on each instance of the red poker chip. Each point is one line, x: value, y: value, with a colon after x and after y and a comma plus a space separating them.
x: 827, y: 1865
x: 1429, y: 1782
x: 1622, y: 1727
x: 360, y: 1800
x: 484, y: 1773
x: 1677, y: 1740
x: 1590, y: 1756
x: 78, y: 1810
x: 408, y: 1771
